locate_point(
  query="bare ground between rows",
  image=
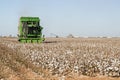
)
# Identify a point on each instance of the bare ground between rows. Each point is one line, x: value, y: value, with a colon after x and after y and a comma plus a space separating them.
x: 11, y: 69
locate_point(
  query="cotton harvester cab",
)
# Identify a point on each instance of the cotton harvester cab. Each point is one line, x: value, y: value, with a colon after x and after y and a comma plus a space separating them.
x: 29, y: 30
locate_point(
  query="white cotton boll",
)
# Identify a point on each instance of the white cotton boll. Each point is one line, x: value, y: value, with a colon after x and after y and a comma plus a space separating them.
x: 69, y: 52
x: 76, y: 68
x: 116, y: 68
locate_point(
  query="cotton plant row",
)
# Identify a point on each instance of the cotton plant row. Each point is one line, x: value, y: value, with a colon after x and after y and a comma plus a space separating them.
x: 89, y: 57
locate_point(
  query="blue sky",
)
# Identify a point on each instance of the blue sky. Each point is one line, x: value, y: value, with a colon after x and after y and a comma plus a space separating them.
x: 63, y: 17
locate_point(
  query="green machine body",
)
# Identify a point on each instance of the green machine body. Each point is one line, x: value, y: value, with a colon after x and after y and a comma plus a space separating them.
x: 29, y: 30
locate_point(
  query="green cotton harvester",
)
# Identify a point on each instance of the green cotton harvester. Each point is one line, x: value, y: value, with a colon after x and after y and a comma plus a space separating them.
x: 29, y: 30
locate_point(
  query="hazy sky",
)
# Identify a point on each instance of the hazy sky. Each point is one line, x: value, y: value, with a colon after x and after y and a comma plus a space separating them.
x: 62, y: 17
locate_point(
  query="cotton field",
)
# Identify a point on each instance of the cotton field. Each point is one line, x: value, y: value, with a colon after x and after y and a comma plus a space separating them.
x: 60, y: 59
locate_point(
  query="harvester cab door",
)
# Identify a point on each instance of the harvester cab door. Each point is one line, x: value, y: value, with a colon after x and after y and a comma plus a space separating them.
x: 25, y: 29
